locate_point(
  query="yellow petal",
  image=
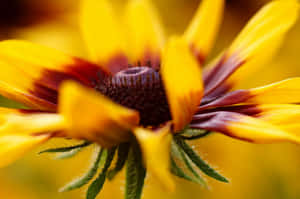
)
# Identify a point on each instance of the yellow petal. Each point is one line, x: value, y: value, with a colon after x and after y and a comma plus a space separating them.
x: 182, y: 80
x: 103, y: 34
x: 204, y: 27
x: 13, y: 147
x: 145, y: 32
x: 286, y: 91
x: 13, y: 121
x: 283, y: 92
x: 285, y: 116
x: 90, y: 115
x: 155, y: 147
x: 31, y: 73
x: 246, y: 128
x: 279, y: 114
x: 258, y: 131
x: 21, y: 130
x: 293, y: 128
x: 263, y: 35
x: 254, y: 46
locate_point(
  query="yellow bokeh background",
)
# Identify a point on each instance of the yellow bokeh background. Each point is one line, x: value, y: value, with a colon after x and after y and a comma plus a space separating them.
x: 255, y: 171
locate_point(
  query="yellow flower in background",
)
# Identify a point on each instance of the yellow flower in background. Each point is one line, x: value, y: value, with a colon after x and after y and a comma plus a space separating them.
x: 143, y: 86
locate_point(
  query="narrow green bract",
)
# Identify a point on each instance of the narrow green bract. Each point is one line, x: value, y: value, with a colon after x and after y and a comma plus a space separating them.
x: 185, y: 163
x: 97, y: 185
x: 65, y: 149
x: 135, y: 173
x: 68, y: 154
x: 192, y: 134
x: 177, y: 171
x: 195, y: 158
x: 178, y: 152
x: 77, y: 183
x: 123, y: 151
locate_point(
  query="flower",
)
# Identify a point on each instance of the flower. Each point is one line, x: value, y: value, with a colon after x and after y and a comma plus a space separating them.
x: 140, y: 88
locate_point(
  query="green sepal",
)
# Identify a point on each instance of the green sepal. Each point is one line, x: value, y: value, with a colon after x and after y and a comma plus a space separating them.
x: 123, y: 151
x: 177, y: 152
x: 96, y: 186
x: 177, y: 171
x: 68, y: 154
x: 65, y: 149
x: 79, y: 182
x: 192, y: 134
x: 196, y: 159
x: 135, y: 173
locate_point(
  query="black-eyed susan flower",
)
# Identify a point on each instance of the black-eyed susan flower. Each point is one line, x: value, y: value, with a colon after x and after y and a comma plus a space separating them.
x: 143, y: 96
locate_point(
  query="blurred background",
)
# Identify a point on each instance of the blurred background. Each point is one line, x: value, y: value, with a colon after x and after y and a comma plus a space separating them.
x: 255, y: 171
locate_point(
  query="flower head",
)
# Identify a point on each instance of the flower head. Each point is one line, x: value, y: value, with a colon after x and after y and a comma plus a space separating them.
x: 141, y: 87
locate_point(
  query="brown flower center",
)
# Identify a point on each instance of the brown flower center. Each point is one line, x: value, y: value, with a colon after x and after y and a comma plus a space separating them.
x: 139, y: 88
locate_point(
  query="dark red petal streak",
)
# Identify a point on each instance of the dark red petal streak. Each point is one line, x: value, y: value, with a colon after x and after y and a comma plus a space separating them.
x: 198, y: 54
x: 214, y: 77
x: 250, y: 110
x: 31, y: 111
x: 215, y: 121
x: 217, y: 93
x: 46, y: 87
x: 218, y: 122
x: 232, y: 98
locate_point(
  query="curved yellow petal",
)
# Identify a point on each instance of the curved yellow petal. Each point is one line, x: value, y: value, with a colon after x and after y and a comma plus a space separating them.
x: 23, y: 122
x: 182, y: 79
x: 21, y: 130
x: 258, y: 131
x: 145, y: 31
x: 279, y: 114
x: 246, y: 128
x: 31, y: 73
x: 263, y: 35
x: 283, y: 92
x: 103, y: 34
x: 203, y: 29
x: 286, y: 116
x: 293, y: 128
x: 155, y: 147
x: 90, y: 115
x: 254, y: 46
x: 13, y: 147
x: 286, y: 91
